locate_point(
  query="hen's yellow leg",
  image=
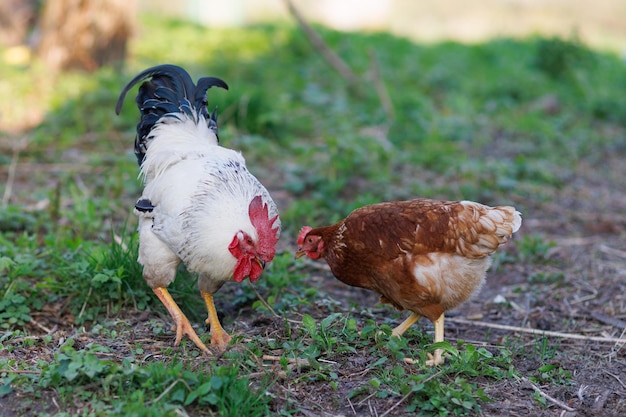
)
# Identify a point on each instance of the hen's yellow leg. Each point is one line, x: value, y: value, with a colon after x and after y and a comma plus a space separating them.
x: 182, y: 323
x: 437, y: 357
x: 219, y: 338
x: 404, y: 326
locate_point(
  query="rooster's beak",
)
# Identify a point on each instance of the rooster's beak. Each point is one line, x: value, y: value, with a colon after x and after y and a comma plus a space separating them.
x: 299, y: 253
x: 260, y: 261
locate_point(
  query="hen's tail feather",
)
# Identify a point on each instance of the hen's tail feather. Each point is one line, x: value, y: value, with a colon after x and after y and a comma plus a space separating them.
x: 170, y: 90
x: 483, y: 229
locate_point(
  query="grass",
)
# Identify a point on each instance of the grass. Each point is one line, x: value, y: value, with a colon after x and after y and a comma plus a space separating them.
x: 506, y: 121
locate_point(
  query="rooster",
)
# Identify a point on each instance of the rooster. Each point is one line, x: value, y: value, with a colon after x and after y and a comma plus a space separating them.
x: 422, y: 255
x: 200, y: 205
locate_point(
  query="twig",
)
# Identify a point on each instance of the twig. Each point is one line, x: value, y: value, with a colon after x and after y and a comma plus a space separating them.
x: 600, y: 401
x: 577, y: 241
x: 35, y: 337
x: 309, y: 413
x: 545, y: 395
x: 617, y: 378
x: 82, y: 310
x: 609, y: 320
x: 278, y: 374
x: 50, y: 167
x: 611, y: 251
x: 379, y: 85
x: 294, y: 361
x: 538, y: 332
x: 19, y: 371
x: 262, y: 300
x: 318, y: 43
x: 585, y: 298
x: 352, y: 407
x: 373, y: 410
x: 181, y: 412
x: 169, y: 388
x: 117, y: 239
x: 409, y: 393
x: 8, y: 189
x: 82, y: 186
x: 42, y: 327
x: 361, y: 373
x: 56, y: 404
x: 366, y: 398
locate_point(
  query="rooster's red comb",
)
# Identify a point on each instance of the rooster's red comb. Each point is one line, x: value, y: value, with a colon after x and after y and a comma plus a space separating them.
x: 268, y: 235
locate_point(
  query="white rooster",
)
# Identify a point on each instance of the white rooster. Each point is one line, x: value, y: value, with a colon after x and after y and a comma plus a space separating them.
x: 200, y: 204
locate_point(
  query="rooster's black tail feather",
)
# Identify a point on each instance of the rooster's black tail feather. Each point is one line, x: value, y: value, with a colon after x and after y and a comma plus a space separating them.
x: 169, y: 90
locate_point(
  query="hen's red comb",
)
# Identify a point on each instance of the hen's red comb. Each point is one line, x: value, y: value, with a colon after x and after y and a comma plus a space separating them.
x: 302, y: 234
x: 259, y: 217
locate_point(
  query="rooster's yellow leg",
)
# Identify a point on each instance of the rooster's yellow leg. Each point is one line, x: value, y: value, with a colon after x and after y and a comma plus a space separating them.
x: 182, y: 323
x: 219, y: 338
x: 404, y: 326
x: 437, y: 357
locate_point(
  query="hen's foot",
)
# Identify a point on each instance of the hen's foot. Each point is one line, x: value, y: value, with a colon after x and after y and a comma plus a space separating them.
x: 436, y: 358
x: 404, y: 326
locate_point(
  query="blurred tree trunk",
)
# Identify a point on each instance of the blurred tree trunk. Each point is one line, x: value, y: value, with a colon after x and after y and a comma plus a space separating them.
x: 17, y: 19
x: 85, y: 34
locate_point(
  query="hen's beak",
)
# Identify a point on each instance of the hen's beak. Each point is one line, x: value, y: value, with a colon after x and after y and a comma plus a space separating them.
x: 260, y: 261
x: 299, y: 253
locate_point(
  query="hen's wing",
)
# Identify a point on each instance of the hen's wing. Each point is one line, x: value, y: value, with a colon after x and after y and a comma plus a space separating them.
x: 423, y: 226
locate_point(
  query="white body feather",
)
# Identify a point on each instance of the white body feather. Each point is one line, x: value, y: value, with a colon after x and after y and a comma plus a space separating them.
x: 201, y: 193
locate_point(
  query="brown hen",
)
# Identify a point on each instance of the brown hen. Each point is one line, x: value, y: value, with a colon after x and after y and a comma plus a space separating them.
x: 422, y: 255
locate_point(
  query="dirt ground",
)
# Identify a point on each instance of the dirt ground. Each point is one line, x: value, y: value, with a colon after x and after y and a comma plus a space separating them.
x: 580, y: 290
